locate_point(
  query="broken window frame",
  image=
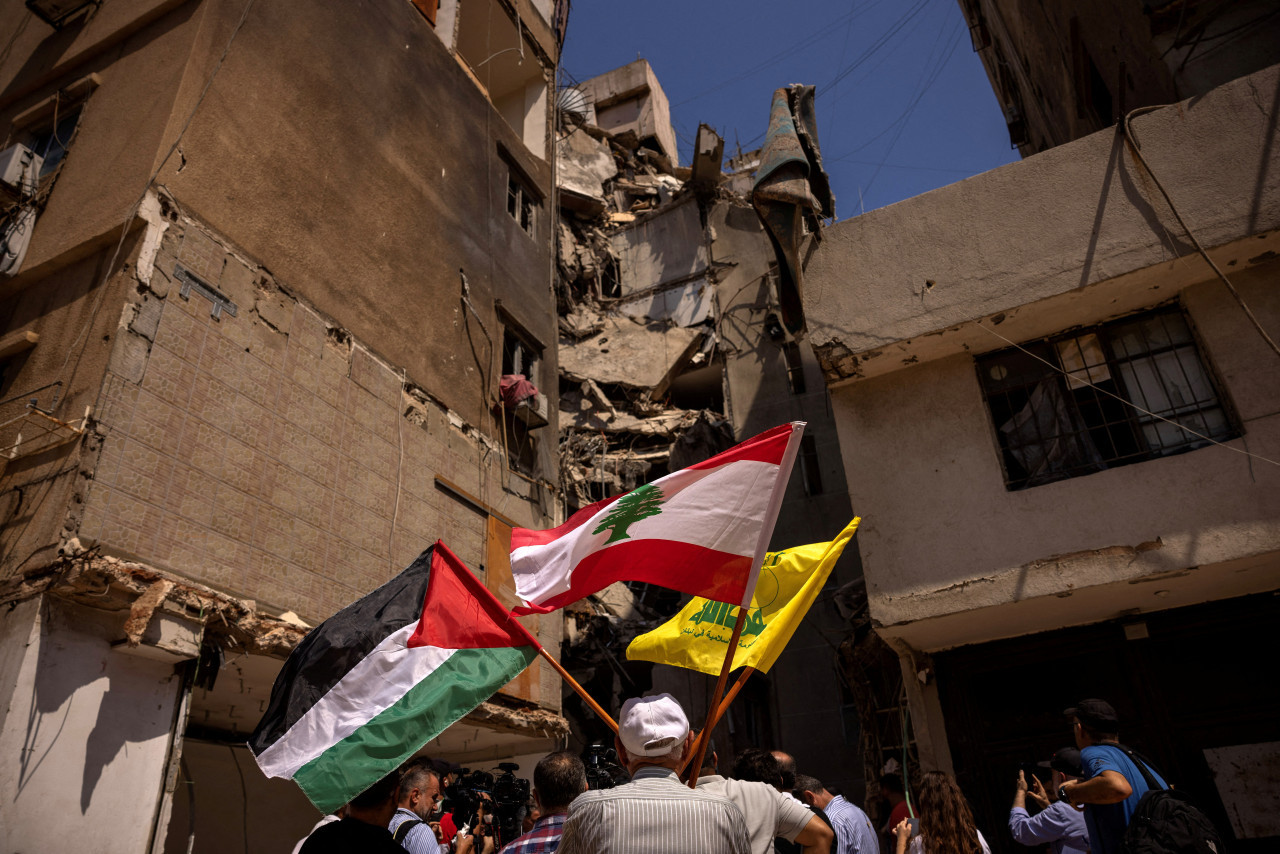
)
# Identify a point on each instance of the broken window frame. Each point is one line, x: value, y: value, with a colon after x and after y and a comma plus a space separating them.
x: 524, y: 202
x: 520, y: 349
x: 1051, y: 424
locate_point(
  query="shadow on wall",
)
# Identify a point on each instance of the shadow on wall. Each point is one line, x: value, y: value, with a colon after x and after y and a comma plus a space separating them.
x: 90, y: 700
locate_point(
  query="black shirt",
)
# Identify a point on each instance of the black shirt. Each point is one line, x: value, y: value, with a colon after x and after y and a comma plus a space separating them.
x: 351, y: 836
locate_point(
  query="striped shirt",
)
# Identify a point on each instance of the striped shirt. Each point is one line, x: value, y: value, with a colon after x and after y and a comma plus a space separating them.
x: 854, y: 833
x: 654, y: 812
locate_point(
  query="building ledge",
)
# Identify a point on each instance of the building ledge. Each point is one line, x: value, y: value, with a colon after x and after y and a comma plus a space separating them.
x: 898, y: 285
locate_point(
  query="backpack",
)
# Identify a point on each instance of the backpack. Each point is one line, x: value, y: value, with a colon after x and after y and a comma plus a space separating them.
x: 403, y: 830
x: 1167, y: 822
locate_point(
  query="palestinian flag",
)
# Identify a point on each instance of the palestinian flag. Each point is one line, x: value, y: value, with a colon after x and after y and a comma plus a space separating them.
x: 368, y: 687
x: 701, y: 530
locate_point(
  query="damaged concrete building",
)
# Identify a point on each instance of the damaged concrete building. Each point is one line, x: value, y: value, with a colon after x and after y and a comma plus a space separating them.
x: 257, y: 312
x: 673, y: 348
x: 1056, y: 386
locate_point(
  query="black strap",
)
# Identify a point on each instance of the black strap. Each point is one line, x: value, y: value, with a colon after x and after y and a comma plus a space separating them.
x: 1143, y: 766
x: 403, y: 830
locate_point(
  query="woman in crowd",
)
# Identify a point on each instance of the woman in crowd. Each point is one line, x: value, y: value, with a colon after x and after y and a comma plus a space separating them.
x: 946, y: 822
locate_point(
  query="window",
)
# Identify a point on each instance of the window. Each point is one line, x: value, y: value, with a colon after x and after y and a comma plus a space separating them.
x: 1089, y: 400
x: 520, y: 204
x: 52, y: 141
x: 519, y: 356
x: 522, y: 413
x: 809, y: 470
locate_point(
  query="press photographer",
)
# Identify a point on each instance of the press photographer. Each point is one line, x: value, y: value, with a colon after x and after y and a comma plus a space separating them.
x: 489, y: 807
x: 557, y: 780
x: 602, y: 768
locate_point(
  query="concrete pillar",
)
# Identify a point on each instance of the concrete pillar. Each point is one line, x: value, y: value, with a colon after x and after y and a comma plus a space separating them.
x: 88, y: 723
x: 927, y: 722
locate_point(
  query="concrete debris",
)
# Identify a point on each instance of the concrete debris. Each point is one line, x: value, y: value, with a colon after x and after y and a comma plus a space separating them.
x: 109, y: 583
x: 792, y: 192
x: 640, y: 391
x: 630, y: 352
x: 533, y: 722
x: 143, y: 607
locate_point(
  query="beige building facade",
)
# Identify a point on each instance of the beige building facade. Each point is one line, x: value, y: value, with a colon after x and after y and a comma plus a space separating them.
x: 1060, y: 425
x: 280, y: 260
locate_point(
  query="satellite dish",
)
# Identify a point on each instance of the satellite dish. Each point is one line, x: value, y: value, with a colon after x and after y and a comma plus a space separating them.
x: 573, y: 107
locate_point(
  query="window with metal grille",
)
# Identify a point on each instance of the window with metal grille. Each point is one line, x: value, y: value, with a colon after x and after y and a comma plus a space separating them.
x: 1127, y: 391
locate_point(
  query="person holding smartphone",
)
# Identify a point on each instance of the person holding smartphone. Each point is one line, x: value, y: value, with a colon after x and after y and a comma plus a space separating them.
x: 1058, y: 824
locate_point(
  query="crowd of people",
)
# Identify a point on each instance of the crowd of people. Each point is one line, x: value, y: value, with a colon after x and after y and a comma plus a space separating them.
x: 762, y: 807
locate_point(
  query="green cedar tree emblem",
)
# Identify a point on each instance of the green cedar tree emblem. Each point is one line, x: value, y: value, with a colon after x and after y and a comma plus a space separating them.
x: 641, y: 503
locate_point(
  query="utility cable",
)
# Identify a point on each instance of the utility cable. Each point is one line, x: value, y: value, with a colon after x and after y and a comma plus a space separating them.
x: 905, y: 119
x: 133, y: 211
x: 1079, y: 381
x: 804, y: 42
x: 1133, y: 145
x: 882, y: 41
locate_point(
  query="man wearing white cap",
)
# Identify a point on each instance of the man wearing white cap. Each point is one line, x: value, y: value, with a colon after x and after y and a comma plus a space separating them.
x: 655, y: 811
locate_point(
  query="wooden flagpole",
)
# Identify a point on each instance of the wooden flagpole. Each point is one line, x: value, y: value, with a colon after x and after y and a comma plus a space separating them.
x: 712, y: 718
x: 582, y: 692
x: 723, y: 706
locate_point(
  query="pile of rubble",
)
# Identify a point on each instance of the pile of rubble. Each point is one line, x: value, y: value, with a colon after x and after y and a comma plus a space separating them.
x: 628, y: 332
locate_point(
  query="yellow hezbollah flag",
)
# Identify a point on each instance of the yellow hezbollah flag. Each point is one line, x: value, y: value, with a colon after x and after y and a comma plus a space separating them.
x: 696, y: 638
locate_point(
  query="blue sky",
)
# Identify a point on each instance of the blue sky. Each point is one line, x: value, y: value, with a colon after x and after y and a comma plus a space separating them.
x: 903, y: 103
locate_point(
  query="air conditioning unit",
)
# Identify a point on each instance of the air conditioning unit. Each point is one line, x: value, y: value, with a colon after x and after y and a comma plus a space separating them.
x: 533, y: 411
x: 20, y: 170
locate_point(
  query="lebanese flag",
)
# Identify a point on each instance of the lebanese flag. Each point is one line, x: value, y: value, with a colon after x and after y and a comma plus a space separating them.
x: 368, y: 687
x: 701, y: 530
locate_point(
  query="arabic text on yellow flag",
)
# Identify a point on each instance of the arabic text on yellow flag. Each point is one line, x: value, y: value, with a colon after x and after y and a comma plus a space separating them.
x: 697, y: 637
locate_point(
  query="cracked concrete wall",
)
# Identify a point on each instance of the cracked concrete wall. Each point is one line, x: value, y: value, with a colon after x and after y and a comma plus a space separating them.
x: 759, y: 396
x: 898, y: 284
x: 276, y: 173
x: 952, y: 557
x: 267, y: 454
x: 88, y: 727
x: 75, y: 313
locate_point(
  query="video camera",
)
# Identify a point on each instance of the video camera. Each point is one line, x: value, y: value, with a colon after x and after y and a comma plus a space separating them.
x: 603, y: 770
x: 508, y: 797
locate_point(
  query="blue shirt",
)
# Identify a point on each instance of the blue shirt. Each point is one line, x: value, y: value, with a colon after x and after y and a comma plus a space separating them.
x: 1059, y: 824
x: 1106, y: 822
x: 854, y: 833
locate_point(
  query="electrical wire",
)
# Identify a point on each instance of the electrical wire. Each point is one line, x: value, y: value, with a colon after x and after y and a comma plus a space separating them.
x: 900, y: 122
x: 905, y: 118
x: 1080, y: 381
x: 1136, y: 148
x: 881, y: 41
x: 812, y: 38
x: 133, y: 211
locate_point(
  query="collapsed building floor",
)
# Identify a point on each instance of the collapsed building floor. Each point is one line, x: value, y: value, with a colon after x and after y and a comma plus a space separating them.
x: 672, y: 348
